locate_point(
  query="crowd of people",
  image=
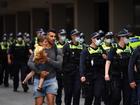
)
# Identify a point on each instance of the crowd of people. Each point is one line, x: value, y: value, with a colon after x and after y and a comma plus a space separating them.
x: 107, y: 69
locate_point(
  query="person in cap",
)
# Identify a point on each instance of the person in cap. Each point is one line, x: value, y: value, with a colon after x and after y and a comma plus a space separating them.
x: 60, y: 42
x: 4, y: 70
x: 82, y: 40
x: 11, y: 39
x: 116, y: 68
x: 107, y: 44
x: 71, y: 59
x: 61, y: 38
x: 18, y: 55
x: 92, y: 61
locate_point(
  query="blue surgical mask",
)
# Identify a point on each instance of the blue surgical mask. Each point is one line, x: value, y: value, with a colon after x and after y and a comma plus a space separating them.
x: 98, y: 42
x: 19, y: 39
x: 81, y: 40
x: 108, y: 41
x: 63, y: 38
x: 126, y: 40
x: 77, y: 39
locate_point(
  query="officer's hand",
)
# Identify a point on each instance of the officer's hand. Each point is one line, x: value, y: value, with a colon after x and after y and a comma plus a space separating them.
x: 83, y: 79
x: 107, y: 78
x: 133, y: 85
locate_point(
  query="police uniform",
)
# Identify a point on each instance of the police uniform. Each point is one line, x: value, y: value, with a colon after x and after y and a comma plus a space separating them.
x: 134, y: 75
x: 92, y: 68
x: 60, y: 44
x: 71, y: 59
x: 107, y: 44
x: 4, y: 71
x: 134, y: 41
x: 19, y: 53
x: 119, y: 58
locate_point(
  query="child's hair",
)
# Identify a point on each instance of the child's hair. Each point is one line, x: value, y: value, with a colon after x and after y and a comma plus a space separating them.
x: 39, y: 55
x: 39, y: 52
x: 40, y: 39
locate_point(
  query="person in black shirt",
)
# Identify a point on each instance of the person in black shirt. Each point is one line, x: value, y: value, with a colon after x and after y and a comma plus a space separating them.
x: 18, y: 55
x: 92, y: 61
x: 116, y: 68
x: 134, y: 75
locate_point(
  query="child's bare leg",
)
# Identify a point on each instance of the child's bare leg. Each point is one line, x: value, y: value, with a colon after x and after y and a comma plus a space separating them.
x: 30, y: 75
x: 42, y: 76
x: 40, y: 85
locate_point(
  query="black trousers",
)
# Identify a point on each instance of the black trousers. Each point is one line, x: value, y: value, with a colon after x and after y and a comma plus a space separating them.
x: 19, y: 67
x: 4, y: 73
x: 118, y: 86
x: 72, y: 88
x: 59, y: 91
x: 94, y: 89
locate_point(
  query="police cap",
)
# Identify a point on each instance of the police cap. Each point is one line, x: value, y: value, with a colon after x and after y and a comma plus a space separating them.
x: 109, y: 34
x: 19, y: 34
x: 95, y: 35
x: 39, y: 30
x: 75, y: 32
x: 62, y: 32
x: 123, y: 33
x: 101, y: 32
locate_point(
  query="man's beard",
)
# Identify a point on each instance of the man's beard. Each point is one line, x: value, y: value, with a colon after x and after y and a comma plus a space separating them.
x: 51, y: 42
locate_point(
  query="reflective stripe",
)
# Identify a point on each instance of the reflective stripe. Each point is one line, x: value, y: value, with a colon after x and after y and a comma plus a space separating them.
x: 3, y: 47
x: 59, y: 45
x: 127, y: 49
x: 92, y: 51
x: 134, y: 41
x: 22, y: 44
x: 76, y: 46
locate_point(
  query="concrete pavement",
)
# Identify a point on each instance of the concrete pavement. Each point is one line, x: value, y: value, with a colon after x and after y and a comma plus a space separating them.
x: 8, y: 97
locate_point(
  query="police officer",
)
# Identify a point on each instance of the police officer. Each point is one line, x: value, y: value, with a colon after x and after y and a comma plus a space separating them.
x: 107, y: 44
x: 82, y: 40
x: 116, y: 70
x: 134, y: 39
x: 19, y: 54
x: 4, y: 71
x: 27, y: 39
x: 60, y: 42
x: 134, y: 75
x: 71, y: 73
x: 92, y: 62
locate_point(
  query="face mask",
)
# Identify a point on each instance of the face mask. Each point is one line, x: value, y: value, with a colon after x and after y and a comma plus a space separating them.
x: 63, y: 38
x: 77, y: 39
x: 108, y: 41
x: 98, y: 42
x: 81, y: 40
x: 112, y: 40
x: 19, y: 39
x: 126, y: 41
x: 27, y: 39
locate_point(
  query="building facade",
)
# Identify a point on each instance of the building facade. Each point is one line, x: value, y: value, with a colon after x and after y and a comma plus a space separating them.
x: 86, y: 15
